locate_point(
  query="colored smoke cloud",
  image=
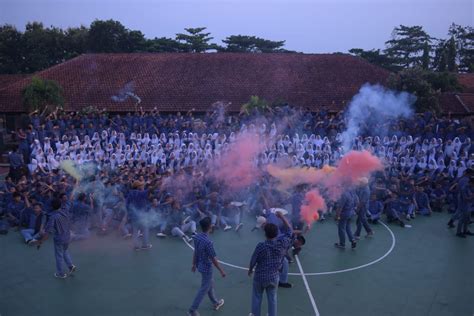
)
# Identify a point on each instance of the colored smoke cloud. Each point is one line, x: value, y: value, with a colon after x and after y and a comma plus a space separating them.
x: 236, y: 168
x: 374, y: 104
x: 313, y: 202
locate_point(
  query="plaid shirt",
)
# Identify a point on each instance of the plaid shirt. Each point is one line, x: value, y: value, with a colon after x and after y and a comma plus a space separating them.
x: 203, y: 252
x: 268, y: 256
x: 59, y: 225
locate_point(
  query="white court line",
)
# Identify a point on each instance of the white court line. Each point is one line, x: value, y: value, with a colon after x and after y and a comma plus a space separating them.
x: 305, y: 281
x: 394, y: 241
x: 327, y: 272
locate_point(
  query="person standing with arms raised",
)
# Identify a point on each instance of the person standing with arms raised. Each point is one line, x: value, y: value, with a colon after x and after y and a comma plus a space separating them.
x: 267, y: 260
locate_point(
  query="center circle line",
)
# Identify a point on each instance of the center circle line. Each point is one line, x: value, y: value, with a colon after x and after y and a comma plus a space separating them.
x: 394, y: 241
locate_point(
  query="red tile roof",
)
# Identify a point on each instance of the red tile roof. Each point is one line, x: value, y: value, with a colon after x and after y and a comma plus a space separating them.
x: 457, y: 103
x: 467, y: 82
x: 6, y: 80
x: 180, y: 82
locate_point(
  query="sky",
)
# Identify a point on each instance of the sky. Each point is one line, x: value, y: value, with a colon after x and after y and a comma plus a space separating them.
x: 310, y: 26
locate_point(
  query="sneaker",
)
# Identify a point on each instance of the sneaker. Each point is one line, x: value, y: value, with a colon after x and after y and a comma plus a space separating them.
x: 338, y: 245
x: 356, y: 237
x: 28, y: 241
x: 127, y: 236
x: 227, y: 227
x: 412, y: 216
x: 353, y: 244
x: 161, y: 235
x: 149, y: 246
x: 460, y: 235
x: 72, y: 269
x: 60, y: 276
x: 219, y: 304
x: 32, y: 242
x: 285, y: 285
x: 137, y: 248
x: 451, y: 224
x: 238, y: 227
x: 369, y: 235
x: 408, y: 217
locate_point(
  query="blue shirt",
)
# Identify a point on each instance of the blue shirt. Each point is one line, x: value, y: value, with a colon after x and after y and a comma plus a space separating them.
x: 268, y: 257
x: 364, y: 194
x: 203, y: 252
x: 59, y: 225
x: 348, y: 202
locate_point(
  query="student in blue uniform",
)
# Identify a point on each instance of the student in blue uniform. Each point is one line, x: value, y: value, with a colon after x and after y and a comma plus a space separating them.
x: 203, y: 258
x: 136, y: 204
x: 35, y: 219
x: 267, y: 262
x: 59, y: 226
x: 466, y: 200
x: 345, y: 211
x: 363, y: 193
x: 422, y: 202
x: 375, y: 208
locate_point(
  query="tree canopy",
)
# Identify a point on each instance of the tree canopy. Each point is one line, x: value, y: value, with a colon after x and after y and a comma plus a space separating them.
x: 40, y: 47
x: 42, y: 95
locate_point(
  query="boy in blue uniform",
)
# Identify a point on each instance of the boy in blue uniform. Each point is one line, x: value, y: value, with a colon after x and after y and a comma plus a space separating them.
x: 35, y: 220
x: 346, y: 209
x: 363, y: 193
x: 267, y: 261
x: 466, y: 200
x: 422, y: 202
x: 203, y: 258
x: 60, y: 226
x: 375, y: 209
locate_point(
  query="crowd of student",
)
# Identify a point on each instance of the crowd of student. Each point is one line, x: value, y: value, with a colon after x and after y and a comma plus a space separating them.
x: 125, y: 162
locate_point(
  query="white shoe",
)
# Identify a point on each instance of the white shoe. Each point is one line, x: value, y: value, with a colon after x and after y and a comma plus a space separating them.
x: 227, y: 227
x: 239, y: 227
x: 161, y: 235
x: 219, y: 304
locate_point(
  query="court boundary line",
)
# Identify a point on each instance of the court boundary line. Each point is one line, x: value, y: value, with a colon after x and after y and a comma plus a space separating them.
x: 305, y: 281
x: 394, y: 241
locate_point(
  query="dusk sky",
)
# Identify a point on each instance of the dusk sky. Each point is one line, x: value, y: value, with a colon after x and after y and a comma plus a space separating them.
x: 311, y: 26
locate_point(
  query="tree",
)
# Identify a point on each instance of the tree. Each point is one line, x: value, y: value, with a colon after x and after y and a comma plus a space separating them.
x: 426, y: 59
x: 76, y: 41
x: 252, y: 44
x: 164, y: 45
x: 464, y: 44
x: 255, y: 104
x: 195, y: 41
x: 42, y: 95
x: 43, y: 47
x: 106, y: 36
x: 11, y: 50
x: 425, y: 85
x: 407, y: 46
x: 440, y: 60
x: 413, y: 81
x: 375, y: 57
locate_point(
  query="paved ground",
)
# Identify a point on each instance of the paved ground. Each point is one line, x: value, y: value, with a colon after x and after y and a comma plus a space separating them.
x: 429, y: 272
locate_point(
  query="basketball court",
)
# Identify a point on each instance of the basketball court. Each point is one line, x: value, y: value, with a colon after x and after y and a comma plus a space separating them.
x: 423, y: 270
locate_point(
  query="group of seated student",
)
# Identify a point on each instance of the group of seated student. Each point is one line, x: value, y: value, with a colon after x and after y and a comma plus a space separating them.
x: 146, y: 172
